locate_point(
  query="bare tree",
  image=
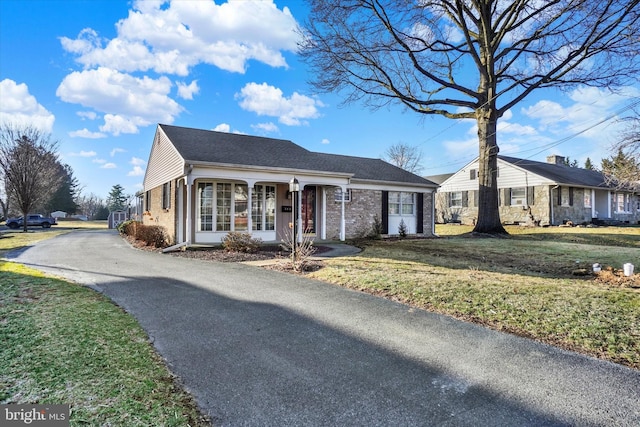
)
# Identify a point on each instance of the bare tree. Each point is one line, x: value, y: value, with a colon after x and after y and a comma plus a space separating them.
x: 469, y: 59
x: 404, y: 156
x: 29, y: 164
x: 625, y: 166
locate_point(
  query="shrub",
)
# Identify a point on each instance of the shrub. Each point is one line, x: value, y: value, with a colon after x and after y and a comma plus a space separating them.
x: 241, y: 242
x: 129, y: 227
x: 152, y: 235
x: 402, y: 229
x: 303, y: 250
x: 376, y: 228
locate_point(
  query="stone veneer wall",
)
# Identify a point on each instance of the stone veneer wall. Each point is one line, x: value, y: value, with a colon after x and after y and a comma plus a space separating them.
x: 508, y: 214
x: 361, y: 211
x: 163, y: 217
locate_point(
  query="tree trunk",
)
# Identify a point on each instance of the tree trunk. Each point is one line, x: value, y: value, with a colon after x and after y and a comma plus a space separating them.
x: 488, y: 215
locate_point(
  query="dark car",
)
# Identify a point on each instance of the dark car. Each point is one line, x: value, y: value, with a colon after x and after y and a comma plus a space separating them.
x: 32, y: 221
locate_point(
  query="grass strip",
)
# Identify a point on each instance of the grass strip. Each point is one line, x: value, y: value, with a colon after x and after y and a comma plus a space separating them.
x: 64, y: 343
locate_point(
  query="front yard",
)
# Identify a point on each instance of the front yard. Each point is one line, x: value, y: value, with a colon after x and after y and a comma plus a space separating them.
x: 525, y: 284
x: 65, y: 343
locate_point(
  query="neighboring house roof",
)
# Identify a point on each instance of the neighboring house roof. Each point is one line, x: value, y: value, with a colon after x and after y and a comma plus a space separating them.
x: 560, y: 174
x: 439, y: 179
x: 204, y: 146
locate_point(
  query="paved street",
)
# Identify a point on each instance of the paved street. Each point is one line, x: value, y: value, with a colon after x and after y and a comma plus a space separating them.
x: 259, y: 347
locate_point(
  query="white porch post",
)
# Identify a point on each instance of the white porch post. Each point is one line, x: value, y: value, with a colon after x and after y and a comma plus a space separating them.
x: 250, y: 185
x: 323, y: 226
x: 342, y: 218
x: 299, y: 213
x: 180, y: 187
x: 189, y: 211
x: 593, y: 204
x: 609, y: 202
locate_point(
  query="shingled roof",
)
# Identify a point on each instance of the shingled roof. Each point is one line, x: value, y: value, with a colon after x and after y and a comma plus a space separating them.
x: 560, y: 174
x: 205, y: 146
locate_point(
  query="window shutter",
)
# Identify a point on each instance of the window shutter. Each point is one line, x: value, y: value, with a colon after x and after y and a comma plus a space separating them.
x: 559, y: 190
x: 475, y: 197
x: 472, y: 174
x: 531, y: 197
x: 570, y: 196
x: 465, y: 199
x: 506, y: 196
x: 385, y: 212
x: 420, y: 213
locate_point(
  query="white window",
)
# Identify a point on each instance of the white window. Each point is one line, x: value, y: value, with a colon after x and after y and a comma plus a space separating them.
x: 518, y: 196
x: 338, y: 195
x: 456, y: 199
x: 473, y: 174
x: 587, y: 198
x: 401, y: 203
x: 622, y: 202
x: 263, y: 207
x: 223, y: 206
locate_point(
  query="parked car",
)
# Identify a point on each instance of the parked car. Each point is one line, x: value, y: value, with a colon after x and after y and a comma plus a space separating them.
x: 36, y: 220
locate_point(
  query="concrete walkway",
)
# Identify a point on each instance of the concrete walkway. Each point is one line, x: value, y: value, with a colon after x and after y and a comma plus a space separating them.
x: 263, y: 348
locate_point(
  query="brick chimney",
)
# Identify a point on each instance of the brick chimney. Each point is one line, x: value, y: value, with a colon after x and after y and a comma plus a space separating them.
x: 554, y: 159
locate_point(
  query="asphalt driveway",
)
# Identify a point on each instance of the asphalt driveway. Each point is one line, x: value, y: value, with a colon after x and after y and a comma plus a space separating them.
x: 264, y: 348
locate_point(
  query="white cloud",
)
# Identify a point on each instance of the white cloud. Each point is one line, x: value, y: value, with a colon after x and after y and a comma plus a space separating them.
x: 186, y: 91
x: 266, y: 127
x: 86, y: 133
x: 136, y: 171
x: 173, y: 37
x: 590, y: 106
x: 90, y: 115
x: 84, y: 154
x: 222, y: 127
x: 136, y: 161
x: 266, y: 100
x: 117, y: 150
x: 19, y: 107
x: 130, y: 102
x: 109, y: 166
x: 325, y: 141
x: 99, y: 161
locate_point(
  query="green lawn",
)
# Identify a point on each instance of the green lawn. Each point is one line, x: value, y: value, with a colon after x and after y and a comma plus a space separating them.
x: 66, y: 344
x: 523, y: 284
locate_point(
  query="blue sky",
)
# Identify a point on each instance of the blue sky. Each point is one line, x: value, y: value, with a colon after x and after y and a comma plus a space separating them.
x: 100, y: 74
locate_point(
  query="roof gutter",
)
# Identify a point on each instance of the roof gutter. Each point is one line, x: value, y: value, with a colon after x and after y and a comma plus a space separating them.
x: 270, y: 168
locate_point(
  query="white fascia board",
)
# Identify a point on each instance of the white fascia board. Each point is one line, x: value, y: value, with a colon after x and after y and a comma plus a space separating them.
x: 391, y: 186
x: 261, y: 174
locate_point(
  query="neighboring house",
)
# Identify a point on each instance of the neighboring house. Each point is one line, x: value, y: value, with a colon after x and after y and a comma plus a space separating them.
x: 539, y: 193
x: 200, y: 185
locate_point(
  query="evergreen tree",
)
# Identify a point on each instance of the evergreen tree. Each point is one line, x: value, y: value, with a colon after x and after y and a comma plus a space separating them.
x: 64, y: 199
x: 623, y: 170
x: 117, y: 200
x: 588, y: 165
